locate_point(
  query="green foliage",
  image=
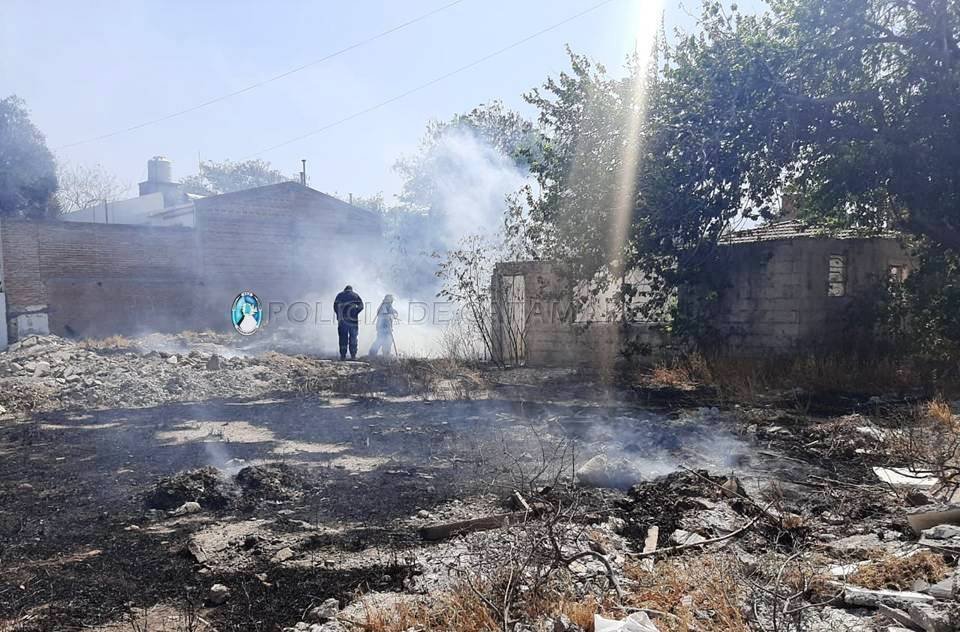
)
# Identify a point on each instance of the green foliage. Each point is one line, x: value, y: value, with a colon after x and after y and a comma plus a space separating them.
x: 849, y: 104
x: 28, y: 177
x: 228, y: 176
x: 922, y: 314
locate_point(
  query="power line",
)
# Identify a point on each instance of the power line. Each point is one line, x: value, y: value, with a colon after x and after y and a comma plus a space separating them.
x: 434, y: 81
x: 259, y: 84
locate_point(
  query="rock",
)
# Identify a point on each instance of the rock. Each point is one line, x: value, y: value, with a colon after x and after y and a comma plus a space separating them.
x: 945, y: 589
x: 326, y: 611
x: 41, y: 368
x: 282, y: 555
x: 188, y: 507
x: 215, y: 363
x: 218, y: 594
x: 943, y: 532
x: 601, y: 471
x: 681, y: 537
x: 424, y: 514
x: 173, y: 359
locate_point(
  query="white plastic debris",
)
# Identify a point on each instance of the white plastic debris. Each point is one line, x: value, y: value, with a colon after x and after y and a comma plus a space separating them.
x: 636, y: 622
x: 905, y: 476
x: 186, y: 508
x: 602, y: 471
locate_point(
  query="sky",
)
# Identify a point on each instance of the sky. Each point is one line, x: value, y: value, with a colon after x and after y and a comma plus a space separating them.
x: 87, y: 69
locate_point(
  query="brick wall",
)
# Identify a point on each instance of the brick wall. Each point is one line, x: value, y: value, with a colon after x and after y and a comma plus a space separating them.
x: 96, y: 279
x: 285, y: 242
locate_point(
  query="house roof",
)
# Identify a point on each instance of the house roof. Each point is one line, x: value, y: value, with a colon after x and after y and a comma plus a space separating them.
x: 795, y: 229
x: 317, y: 199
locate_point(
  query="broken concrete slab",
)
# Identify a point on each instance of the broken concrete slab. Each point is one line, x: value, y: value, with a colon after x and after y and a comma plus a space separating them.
x: 897, y: 615
x: 867, y: 598
x: 931, y: 618
x: 948, y: 588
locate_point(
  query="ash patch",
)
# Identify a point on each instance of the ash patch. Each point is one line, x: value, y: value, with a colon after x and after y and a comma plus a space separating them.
x: 665, y: 501
x: 272, y: 481
x: 205, y: 486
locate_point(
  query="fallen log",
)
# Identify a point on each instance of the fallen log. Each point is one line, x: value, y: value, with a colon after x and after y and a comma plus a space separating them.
x: 445, y: 530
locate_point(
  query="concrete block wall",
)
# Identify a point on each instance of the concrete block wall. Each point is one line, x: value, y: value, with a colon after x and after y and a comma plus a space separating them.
x: 554, y: 335
x: 776, y: 299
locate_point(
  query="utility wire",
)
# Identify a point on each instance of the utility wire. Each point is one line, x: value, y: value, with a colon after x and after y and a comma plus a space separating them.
x: 259, y: 84
x: 434, y: 81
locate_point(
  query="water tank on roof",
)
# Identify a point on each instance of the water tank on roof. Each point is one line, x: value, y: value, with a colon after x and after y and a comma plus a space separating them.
x: 159, y: 169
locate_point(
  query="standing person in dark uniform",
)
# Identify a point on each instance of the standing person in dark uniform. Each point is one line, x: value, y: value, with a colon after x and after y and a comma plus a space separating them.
x: 347, y: 306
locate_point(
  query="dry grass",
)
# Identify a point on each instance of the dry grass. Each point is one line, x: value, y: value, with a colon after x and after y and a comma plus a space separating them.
x: 928, y: 440
x: 938, y: 410
x: 747, y: 378
x: 899, y: 573
x: 681, y: 588
x: 458, y: 609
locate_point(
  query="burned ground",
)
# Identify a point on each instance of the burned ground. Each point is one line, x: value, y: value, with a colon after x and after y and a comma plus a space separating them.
x: 313, y: 481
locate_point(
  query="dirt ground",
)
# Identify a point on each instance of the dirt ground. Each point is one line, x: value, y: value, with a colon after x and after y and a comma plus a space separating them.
x: 312, y: 477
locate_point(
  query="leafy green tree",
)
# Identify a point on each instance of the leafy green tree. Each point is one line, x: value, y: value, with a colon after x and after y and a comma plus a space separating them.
x: 28, y: 178
x: 849, y: 104
x: 228, y: 176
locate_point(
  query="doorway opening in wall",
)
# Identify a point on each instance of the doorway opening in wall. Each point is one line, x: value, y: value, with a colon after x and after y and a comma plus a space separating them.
x: 513, y: 324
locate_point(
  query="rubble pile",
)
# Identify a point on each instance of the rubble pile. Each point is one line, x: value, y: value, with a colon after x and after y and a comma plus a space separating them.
x: 48, y: 372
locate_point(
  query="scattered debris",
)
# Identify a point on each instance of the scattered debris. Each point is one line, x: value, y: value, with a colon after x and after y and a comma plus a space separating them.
x: 903, y: 476
x: 188, y: 507
x: 218, y: 594
x: 327, y: 611
x: 636, y: 622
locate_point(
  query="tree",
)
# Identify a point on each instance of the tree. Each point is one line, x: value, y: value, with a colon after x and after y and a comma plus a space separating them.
x: 227, y: 176
x: 82, y: 186
x: 28, y: 177
x: 850, y: 104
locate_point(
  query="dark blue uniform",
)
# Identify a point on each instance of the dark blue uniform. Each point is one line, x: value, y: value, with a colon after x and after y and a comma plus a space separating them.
x: 347, y: 306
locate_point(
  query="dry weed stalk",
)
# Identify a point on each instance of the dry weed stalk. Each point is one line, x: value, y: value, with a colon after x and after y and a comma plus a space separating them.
x: 927, y: 441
